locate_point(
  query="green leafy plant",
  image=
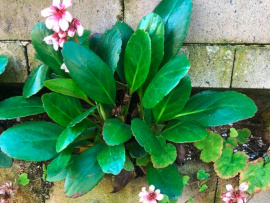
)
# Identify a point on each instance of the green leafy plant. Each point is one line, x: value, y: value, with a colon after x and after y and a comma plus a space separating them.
x: 123, y: 100
x: 3, y: 63
x: 23, y: 179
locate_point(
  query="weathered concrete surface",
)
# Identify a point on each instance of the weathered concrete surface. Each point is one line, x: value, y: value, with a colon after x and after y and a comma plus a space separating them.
x: 17, y: 18
x: 211, y: 66
x: 252, y: 68
x: 25, y: 194
x: 33, y: 62
x: 16, y: 70
x: 216, y: 21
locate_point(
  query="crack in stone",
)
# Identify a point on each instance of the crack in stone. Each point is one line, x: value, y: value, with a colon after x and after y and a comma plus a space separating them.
x: 234, y: 59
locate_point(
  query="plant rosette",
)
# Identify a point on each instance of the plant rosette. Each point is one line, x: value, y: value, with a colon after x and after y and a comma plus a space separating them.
x: 119, y: 100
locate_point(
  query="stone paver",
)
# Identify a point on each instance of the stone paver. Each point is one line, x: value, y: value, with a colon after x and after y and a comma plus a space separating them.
x: 33, y: 62
x: 216, y: 21
x: 16, y: 70
x: 211, y: 66
x: 17, y: 23
x: 252, y: 68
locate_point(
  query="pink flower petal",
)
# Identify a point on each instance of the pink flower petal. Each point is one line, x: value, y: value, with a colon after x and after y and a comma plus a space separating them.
x: 80, y: 30
x: 160, y: 197
x: 243, y: 187
x: 62, y: 34
x: 240, y: 200
x: 229, y: 188
x: 153, y: 201
x: 152, y: 188
x: 67, y: 16
x: 48, y: 40
x: 56, y: 3
x: 55, y: 45
x: 64, y: 67
x: 63, y: 24
x: 143, y: 194
x: 51, y: 22
x: 229, y: 194
x: 226, y: 199
x: 48, y: 11
x: 71, y: 32
x: 157, y: 192
x: 67, y: 3
x: 61, y: 42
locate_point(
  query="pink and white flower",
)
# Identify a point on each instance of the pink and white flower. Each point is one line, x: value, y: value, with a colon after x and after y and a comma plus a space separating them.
x: 56, y: 39
x: 235, y: 196
x: 150, y: 197
x: 58, y: 16
x: 75, y: 25
x: 64, y: 67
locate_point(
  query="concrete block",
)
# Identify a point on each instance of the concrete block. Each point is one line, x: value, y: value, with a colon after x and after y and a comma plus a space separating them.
x: 33, y: 62
x: 211, y: 66
x: 16, y: 70
x: 216, y: 21
x: 252, y: 68
x: 17, y: 18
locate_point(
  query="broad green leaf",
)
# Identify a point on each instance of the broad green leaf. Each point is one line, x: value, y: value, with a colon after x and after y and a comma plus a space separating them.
x: 229, y: 164
x: 233, y: 132
x: 84, y: 173
x: 116, y: 132
x: 3, y: 63
x: 83, y: 40
x: 5, y: 160
x: 203, y: 188
x: 97, y: 83
x: 35, y: 81
x: 23, y: 179
x: 35, y: 140
x: 82, y: 116
x: 109, y: 47
x: 148, y: 117
x: 211, y: 108
x: 165, y: 199
x: 144, y: 160
x: 166, y: 156
x: 126, y: 32
x: 211, y: 147
x: 145, y: 137
x: 128, y: 166
x: 19, y: 106
x: 46, y: 52
x: 137, y: 60
x: 231, y: 141
x: 93, y: 41
x: 153, y: 24
x: 66, y: 87
x: 201, y: 174
x: 165, y: 81
x: 243, y: 135
x: 185, y: 180
x: 166, y: 179
x: 176, y: 17
x: 62, y: 109
x: 70, y: 134
x: 135, y: 150
x: 112, y: 159
x: 183, y: 132
x: 57, y: 166
x: 174, y: 102
x: 257, y: 176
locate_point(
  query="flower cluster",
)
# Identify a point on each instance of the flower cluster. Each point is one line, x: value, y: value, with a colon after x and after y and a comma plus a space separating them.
x: 150, y: 197
x: 7, y: 192
x: 235, y: 196
x: 61, y: 22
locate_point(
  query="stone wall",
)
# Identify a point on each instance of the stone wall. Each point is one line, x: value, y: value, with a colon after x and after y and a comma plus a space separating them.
x: 228, y: 45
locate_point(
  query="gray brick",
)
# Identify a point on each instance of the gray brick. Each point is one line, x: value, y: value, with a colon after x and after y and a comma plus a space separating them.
x: 17, y: 23
x: 211, y: 66
x: 16, y: 70
x: 33, y: 62
x: 252, y: 68
x: 216, y: 21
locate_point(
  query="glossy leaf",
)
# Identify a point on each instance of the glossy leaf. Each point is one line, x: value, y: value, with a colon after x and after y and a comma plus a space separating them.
x: 176, y: 17
x: 233, y: 132
x: 203, y: 188
x: 243, y: 135
x: 211, y: 147
x: 18, y: 106
x: 5, y: 160
x: 201, y: 174
x: 46, y: 52
x: 97, y: 83
x: 35, y: 81
x: 145, y: 137
x: 185, y: 180
x: 154, y: 26
x: 174, y: 102
x: 82, y: 116
x: 112, y: 159
x: 70, y: 134
x: 85, y: 173
x: 165, y: 80
x: 66, y: 87
x: 62, y: 109
x: 57, y: 166
x: 135, y: 150
x: 166, y: 179
x: 166, y: 156
x: 93, y: 41
x: 183, y: 132
x: 83, y: 40
x: 35, y: 140
x: 212, y: 108
x: 257, y: 176
x: 3, y: 63
x: 23, y: 179
x: 137, y: 60
x: 229, y: 164
x: 128, y: 166
x: 144, y: 160
x: 116, y: 132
